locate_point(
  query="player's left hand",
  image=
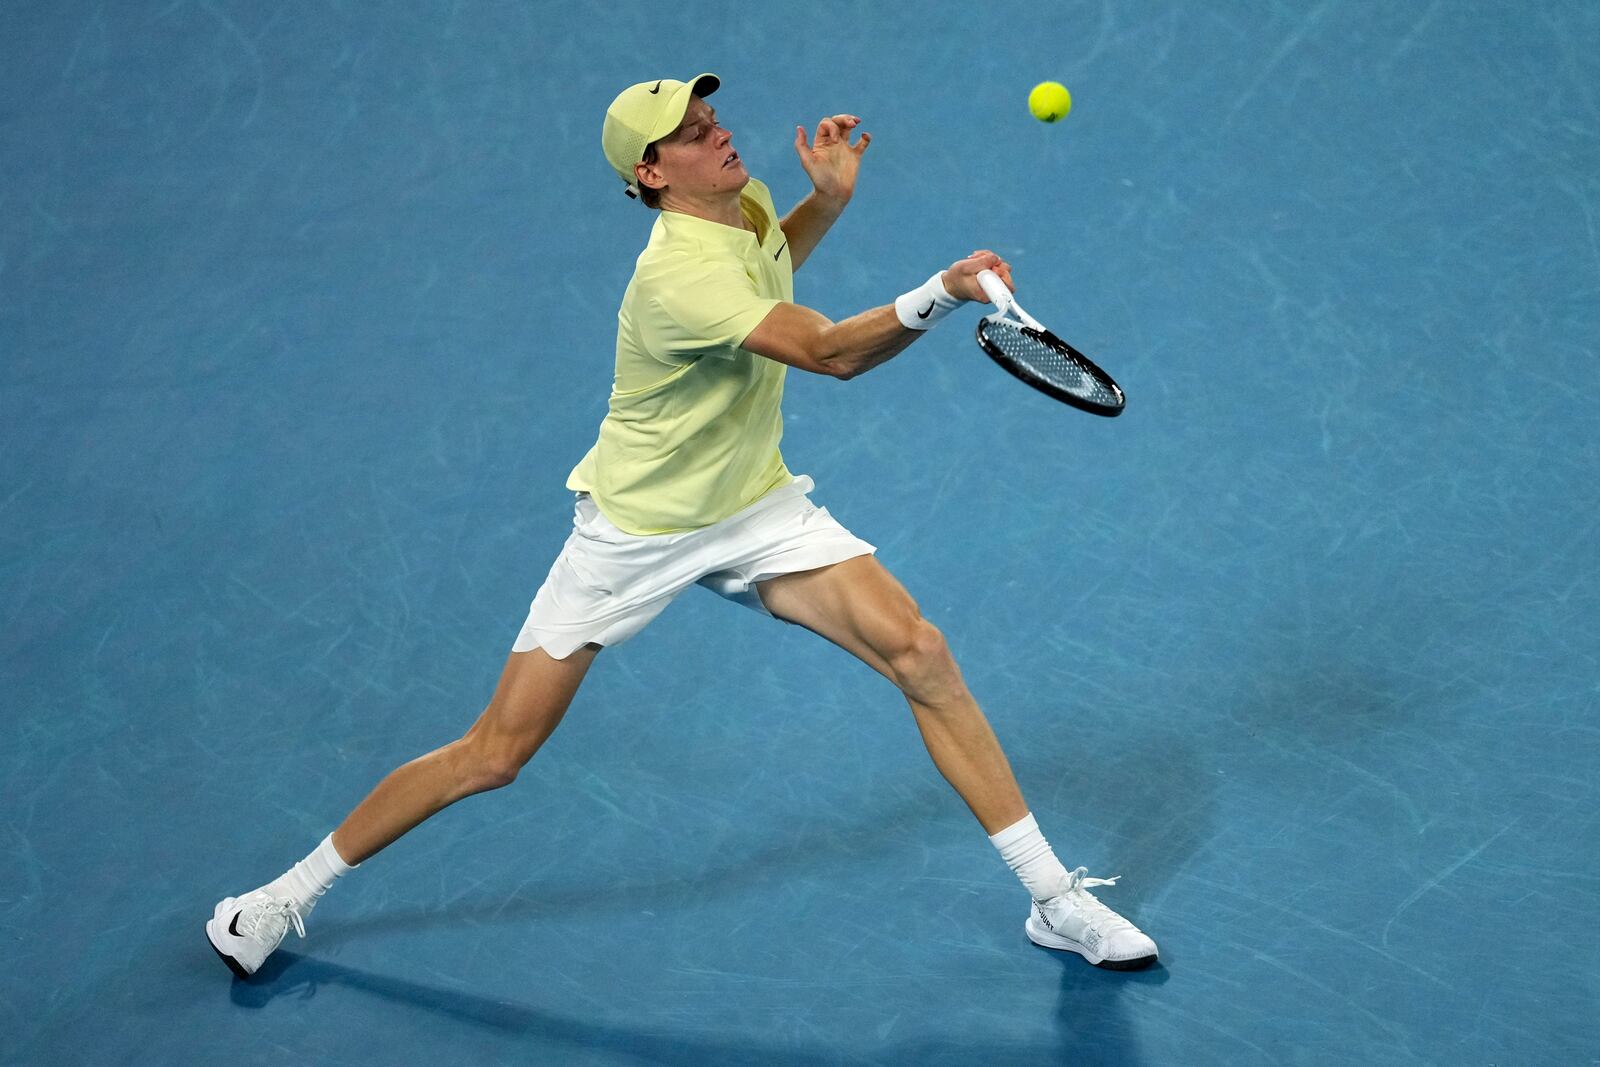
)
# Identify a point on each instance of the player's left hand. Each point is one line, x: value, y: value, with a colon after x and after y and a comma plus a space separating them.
x: 830, y: 160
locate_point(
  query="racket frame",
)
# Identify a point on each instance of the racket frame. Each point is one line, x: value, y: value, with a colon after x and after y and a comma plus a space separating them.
x: 1011, y: 313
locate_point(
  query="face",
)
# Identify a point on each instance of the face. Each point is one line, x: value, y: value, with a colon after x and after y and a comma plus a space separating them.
x: 697, y: 159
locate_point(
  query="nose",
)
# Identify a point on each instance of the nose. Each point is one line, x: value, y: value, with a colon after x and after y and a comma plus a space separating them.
x: 727, y: 136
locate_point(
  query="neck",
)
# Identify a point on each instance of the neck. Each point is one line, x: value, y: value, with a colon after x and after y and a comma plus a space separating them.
x: 723, y: 208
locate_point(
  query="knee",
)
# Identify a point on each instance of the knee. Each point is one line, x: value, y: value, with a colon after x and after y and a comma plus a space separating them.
x: 484, y: 764
x: 922, y: 663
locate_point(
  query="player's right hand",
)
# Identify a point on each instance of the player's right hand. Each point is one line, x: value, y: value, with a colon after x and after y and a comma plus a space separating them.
x: 961, y: 280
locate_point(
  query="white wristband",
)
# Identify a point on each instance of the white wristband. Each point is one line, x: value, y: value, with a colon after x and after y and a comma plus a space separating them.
x: 926, y: 304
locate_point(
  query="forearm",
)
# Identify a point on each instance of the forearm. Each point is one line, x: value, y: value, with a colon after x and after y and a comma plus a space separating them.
x: 800, y: 337
x: 861, y: 342
x: 804, y: 226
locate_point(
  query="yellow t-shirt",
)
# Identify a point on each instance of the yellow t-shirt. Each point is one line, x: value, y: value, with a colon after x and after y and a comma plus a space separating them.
x: 692, y: 433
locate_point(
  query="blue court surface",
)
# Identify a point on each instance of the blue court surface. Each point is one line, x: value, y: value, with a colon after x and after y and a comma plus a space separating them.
x: 306, y: 310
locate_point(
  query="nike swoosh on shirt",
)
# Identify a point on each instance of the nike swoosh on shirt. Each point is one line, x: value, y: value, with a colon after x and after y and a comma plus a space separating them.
x: 781, y: 247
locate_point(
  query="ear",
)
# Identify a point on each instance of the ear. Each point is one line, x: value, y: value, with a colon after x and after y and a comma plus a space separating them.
x: 648, y: 176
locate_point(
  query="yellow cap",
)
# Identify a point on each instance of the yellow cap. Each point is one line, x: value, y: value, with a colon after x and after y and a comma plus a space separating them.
x: 643, y: 113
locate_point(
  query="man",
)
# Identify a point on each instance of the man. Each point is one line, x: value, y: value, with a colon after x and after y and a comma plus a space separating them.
x: 686, y: 486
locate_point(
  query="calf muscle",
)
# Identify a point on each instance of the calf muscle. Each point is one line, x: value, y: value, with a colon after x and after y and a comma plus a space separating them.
x: 859, y: 606
x: 528, y: 704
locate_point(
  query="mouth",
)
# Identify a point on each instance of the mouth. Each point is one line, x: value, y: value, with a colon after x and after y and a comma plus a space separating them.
x: 733, y: 157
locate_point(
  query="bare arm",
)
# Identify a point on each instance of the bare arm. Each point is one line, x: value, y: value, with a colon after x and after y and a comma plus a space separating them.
x: 831, y: 162
x: 805, y: 225
x: 807, y: 340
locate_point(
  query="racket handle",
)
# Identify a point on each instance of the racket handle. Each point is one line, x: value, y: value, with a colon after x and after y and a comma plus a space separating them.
x: 995, y: 289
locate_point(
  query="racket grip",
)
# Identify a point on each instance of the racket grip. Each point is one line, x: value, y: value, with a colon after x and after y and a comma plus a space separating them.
x: 994, y: 289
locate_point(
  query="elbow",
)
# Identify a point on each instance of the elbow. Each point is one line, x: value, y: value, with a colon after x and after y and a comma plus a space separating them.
x: 834, y: 362
x: 842, y: 372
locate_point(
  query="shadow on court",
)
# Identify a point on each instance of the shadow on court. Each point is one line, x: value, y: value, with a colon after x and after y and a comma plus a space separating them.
x: 286, y: 974
x: 1092, y: 1022
x: 1156, y: 829
x: 1092, y: 1027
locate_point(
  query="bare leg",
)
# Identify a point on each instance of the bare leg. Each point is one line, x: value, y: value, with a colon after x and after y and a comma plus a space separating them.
x: 527, y: 706
x: 859, y: 606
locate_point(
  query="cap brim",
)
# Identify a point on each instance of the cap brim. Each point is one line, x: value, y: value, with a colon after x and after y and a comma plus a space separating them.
x: 678, y: 104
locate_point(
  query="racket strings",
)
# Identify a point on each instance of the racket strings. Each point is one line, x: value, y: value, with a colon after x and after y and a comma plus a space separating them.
x: 1029, y: 351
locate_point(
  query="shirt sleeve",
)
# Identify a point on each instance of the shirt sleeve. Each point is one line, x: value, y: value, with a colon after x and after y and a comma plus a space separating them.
x: 704, y: 307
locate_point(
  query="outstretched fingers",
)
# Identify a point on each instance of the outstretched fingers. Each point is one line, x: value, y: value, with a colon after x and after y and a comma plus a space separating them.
x: 843, y: 124
x: 832, y: 130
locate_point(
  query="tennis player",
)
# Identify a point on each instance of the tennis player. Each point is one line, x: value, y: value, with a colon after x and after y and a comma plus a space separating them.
x: 685, y: 486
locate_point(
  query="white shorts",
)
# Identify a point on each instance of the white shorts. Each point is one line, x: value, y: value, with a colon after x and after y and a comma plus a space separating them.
x: 607, y: 584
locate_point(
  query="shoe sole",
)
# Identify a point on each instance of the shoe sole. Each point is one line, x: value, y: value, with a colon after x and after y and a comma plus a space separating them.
x: 1045, y: 939
x: 211, y: 939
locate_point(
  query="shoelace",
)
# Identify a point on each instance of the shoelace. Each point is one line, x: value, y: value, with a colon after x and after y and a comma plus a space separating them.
x: 1076, y: 890
x: 278, y: 907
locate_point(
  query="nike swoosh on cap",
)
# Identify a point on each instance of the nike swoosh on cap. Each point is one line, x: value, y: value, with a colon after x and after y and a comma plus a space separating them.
x: 657, y: 89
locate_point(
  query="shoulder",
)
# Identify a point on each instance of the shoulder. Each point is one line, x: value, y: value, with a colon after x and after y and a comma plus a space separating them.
x: 680, y: 268
x: 682, y: 259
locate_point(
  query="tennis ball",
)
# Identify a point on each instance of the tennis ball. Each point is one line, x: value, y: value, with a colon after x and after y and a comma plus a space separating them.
x: 1049, y: 101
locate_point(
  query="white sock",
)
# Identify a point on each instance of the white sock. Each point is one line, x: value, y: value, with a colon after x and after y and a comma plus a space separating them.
x: 1028, y: 855
x: 306, y: 881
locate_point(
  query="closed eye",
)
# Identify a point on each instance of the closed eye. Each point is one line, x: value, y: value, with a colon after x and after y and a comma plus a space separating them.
x: 700, y: 129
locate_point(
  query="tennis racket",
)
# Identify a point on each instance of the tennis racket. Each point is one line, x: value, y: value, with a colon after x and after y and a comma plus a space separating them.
x: 1020, y: 343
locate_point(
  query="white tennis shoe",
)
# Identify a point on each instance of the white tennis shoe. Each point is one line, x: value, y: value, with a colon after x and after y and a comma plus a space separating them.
x: 245, y: 930
x: 1074, y: 921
